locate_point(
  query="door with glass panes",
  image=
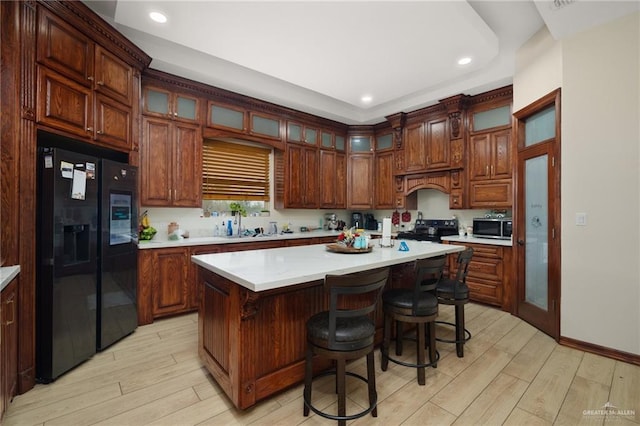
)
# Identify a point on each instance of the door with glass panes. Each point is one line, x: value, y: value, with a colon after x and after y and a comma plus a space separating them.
x: 537, y: 238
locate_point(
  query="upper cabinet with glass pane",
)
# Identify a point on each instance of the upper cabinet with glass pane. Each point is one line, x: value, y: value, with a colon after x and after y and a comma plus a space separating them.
x: 235, y: 119
x: 360, y: 144
x: 172, y: 105
x: 300, y: 133
x: 491, y: 119
x: 384, y: 142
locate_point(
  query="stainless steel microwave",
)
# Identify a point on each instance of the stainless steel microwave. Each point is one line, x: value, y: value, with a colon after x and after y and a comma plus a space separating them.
x: 500, y: 228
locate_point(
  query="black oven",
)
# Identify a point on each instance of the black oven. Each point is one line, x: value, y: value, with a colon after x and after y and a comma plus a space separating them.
x: 500, y: 228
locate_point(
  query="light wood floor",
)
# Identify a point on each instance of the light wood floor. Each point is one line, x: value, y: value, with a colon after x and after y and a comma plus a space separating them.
x: 511, y: 374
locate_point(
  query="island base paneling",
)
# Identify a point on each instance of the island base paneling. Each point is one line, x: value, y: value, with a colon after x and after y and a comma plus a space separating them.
x: 253, y: 343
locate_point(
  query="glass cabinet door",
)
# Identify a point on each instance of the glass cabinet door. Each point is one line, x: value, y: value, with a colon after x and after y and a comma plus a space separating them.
x: 186, y: 108
x: 294, y: 132
x: 265, y: 126
x: 310, y: 136
x: 220, y: 116
x: 327, y: 140
x: 156, y: 101
x: 384, y: 142
x: 361, y: 144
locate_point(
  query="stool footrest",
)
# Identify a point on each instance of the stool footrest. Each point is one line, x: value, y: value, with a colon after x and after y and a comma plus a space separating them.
x: 373, y: 405
x: 467, y: 334
x: 409, y: 364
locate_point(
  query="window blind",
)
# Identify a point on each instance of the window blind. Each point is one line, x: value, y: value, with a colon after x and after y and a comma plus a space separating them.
x: 234, y: 172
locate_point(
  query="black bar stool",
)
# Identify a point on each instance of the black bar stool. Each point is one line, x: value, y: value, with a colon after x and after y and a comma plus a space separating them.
x: 345, y: 332
x: 417, y: 306
x: 456, y: 292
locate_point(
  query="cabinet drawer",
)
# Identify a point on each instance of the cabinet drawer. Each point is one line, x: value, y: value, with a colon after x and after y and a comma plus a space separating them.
x: 490, y: 269
x: 486, y: 250
x: 485, y: 291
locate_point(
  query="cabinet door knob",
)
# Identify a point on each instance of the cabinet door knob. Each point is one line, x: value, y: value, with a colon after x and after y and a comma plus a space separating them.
x: 90, y: 78
x: 99, y: 132
x: 89, y: 129
x: 520, y: 242
x: 100, y: 83
x: 486, y: 170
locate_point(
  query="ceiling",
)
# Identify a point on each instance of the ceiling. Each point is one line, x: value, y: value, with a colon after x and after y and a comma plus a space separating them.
x: 322, y: 57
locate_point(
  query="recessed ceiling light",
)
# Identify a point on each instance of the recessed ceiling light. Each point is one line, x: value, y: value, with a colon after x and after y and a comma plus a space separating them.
x: 466, y: 60
x: 158, y: 17
x: 366, y: 99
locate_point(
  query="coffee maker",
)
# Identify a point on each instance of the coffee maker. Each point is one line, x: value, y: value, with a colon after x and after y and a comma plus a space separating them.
x: 357, y: 220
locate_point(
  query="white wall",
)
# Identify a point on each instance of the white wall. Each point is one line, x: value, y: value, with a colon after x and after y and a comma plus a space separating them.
x: 600, y: 79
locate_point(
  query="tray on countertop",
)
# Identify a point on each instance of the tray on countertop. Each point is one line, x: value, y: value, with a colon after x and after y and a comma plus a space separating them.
x: 339, y: 248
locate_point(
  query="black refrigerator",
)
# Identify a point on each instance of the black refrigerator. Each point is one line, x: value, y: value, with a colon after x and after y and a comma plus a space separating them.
x: 86, y: 277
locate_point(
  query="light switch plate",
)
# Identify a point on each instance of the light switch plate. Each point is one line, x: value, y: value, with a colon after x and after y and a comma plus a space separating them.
x: 581, y: 219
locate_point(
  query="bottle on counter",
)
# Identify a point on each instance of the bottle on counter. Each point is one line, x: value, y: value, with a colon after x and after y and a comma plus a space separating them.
x: 229, y: 228
x: 216, y: 231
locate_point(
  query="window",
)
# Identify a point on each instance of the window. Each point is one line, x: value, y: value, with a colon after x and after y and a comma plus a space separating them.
x: 233, y: 171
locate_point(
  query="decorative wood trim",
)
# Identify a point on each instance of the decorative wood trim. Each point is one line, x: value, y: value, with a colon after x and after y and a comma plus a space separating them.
x: 159, y: 78
x: 600, y: 350
x: 249, y: 304
x: 397, y: 122
x: 455, y: 106
x: 437, y: 180
x: 99, y: 30
x: 505, y: 92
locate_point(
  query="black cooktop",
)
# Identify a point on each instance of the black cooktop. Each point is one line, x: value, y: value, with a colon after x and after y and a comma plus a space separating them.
x: 431, y: 230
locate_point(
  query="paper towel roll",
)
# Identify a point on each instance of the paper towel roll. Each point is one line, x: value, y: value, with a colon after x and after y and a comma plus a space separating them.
x: 386, y: 232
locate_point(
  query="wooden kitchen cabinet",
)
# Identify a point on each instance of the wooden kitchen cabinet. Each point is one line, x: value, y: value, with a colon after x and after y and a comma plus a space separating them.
x: 171, y: 164
x: 360, y: 172
x: 297, y: 184
x: 169, y: 104
x: 302, y: 133
x: 489, y: 276
x: 8, y: 344
x: 426, y: 146
x: 490, y: 155
x: 84, y: 89
x: 241, y: 121
x: 333, y: 179
x: 490, y: 169
x: 360, y: 181
x: 384, y: 188
x: 163, y: 283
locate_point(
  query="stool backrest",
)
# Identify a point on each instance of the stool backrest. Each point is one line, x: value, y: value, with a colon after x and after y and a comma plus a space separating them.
x: 351, y: 286
x: 428, y: 274
x: 464, y: 258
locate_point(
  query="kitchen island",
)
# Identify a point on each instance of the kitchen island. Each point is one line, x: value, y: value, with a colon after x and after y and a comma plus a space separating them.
x: 254, y: 306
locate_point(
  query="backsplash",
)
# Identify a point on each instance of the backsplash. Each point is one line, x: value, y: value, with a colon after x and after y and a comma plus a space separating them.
x: 432, y: 203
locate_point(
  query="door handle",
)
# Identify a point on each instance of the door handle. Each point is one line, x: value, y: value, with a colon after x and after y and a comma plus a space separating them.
x: 520, y: 242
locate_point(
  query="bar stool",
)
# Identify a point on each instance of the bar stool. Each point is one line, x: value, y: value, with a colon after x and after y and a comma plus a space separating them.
x: 456, y: 292
x: 417, y: 306
x: 345, y: 332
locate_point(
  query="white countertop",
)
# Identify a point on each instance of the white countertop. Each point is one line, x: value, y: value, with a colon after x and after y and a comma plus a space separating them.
x: 7, y: 273
x: 475, y: 240
x: 201, y: 241
x: 260, y: 270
